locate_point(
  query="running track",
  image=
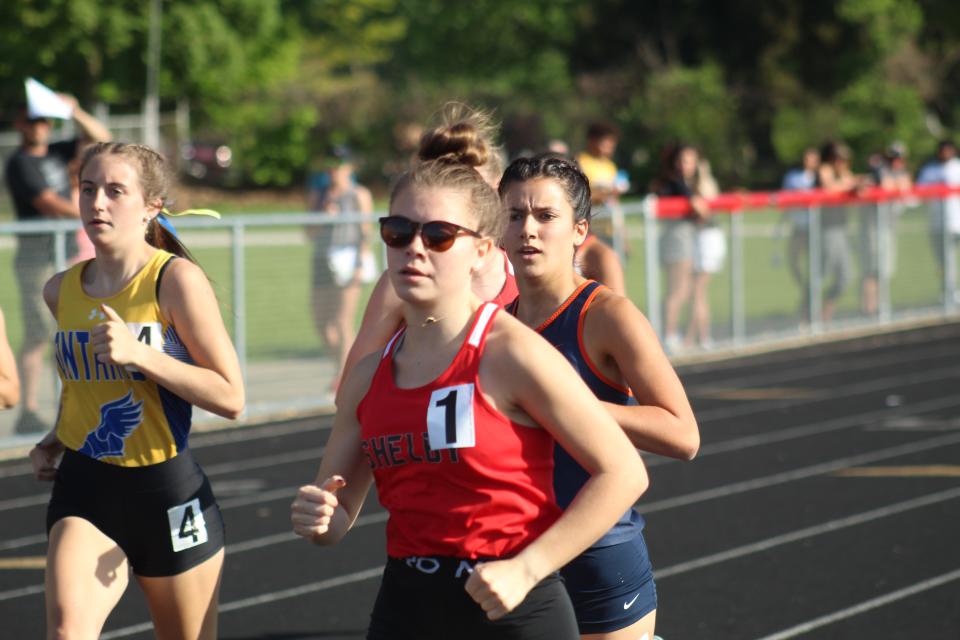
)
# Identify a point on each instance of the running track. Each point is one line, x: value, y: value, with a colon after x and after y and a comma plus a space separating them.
x: 825, y: 503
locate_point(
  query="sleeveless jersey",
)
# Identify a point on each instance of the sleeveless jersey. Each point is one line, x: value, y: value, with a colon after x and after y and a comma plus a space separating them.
x: 509, y: 291
x: 564, y: 330
x: 457, y: 477
x: 111, y: 413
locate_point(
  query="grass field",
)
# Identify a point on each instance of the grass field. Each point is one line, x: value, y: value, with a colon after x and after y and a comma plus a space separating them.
x: 278, y: 269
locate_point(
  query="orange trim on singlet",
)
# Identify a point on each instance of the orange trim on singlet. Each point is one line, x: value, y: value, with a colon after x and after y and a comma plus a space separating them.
x: 583, y: 347
x: 561, y: 308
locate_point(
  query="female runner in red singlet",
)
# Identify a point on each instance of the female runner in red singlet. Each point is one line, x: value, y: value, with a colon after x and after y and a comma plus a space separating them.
x: 468, y: 132
x: 455, y: 423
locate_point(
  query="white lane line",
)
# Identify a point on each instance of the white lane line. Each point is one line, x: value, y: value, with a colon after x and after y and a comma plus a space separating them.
x: 808, y: 532
x: 738, y: 410
x: 830, y: 526
x: 248, y: 434
x: 820, y: 367
x: 231, y: 550
x: 816, y: 428
x: 797, y: 474
x: 666, y: 572
x: 313, y: 453
x: 865, y: 606
x: 16, y: 470
x: 736, y: 444
x: 289, y: 536
x: 266, y: 598
x: 201, y: 439
x: 21, y: 592
x: 897, y: 383
x: 211, y: 471
x: 24, y: 501
x: 26, y: 541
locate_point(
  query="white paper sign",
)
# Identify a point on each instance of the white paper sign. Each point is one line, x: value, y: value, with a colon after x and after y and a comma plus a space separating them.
x: 42, y: 102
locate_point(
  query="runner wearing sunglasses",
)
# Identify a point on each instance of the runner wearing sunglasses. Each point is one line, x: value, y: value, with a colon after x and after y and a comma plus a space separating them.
x: 462, y: 131
x: 614, y: 349
x: 455, y: 421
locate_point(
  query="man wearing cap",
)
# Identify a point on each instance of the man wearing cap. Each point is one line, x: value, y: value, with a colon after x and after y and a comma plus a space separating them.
x: 38, y: 178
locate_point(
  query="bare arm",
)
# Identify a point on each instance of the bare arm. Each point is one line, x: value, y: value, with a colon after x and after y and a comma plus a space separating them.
x: 620, y: 340
x: 381, y: 319
x: 529, y: 375
x: 92, y: 129
x: 831, y: 180
x: 701, y: 210
x: 9, y: 380
x: 51, y: 205
x: 326, y: 509
x: 45, y: 456
x: 214, y: 381
x: 601, y: 263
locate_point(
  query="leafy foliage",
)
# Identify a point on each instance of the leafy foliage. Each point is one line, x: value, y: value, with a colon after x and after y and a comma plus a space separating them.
x: 751, y: 83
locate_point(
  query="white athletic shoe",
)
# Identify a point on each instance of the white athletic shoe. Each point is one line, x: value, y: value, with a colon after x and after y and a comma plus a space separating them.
x: 673, y: 344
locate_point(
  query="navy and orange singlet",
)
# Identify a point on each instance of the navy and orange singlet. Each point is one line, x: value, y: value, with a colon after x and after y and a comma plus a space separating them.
x: 564, y: 330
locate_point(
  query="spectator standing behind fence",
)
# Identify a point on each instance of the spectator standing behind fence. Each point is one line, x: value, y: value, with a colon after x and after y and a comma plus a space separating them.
x: 802, y: 178
x: 944, y: 213
x: 606, y: 182
x: 709, y: 251
x: 38, y: 177
x: 835, y: 175
x: 9, y: 381
x: 878, y: 225
x: 342, y: 257
x: 679, y: 177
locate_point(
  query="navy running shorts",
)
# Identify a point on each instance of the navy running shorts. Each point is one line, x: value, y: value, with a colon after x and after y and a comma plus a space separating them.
x: 163, y: 516
x: 611, y: 587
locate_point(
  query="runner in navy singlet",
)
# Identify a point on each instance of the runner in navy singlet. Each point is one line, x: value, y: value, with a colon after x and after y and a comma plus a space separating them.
x: 615, y: 351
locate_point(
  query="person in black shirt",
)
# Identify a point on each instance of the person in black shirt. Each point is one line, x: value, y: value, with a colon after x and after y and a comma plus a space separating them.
x: 38, y: 178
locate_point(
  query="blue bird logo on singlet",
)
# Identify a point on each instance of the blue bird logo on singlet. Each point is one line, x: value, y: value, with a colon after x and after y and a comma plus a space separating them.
x: 118, y: 419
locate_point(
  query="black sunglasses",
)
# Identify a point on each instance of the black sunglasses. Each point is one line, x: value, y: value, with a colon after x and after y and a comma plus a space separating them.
x: 398, y: 232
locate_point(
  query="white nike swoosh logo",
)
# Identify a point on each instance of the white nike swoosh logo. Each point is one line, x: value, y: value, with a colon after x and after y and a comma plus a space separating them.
x: 627, y: 605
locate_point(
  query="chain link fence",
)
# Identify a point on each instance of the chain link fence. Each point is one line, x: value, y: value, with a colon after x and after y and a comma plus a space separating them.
x: 272, y: 276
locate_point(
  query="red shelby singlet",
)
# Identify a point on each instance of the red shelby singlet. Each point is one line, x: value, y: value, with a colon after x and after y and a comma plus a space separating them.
x: 510, y: 291
x: 458, y: 478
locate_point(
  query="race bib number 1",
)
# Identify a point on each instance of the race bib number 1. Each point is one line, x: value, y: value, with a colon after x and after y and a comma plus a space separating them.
x: 450, y: 418
x: 187, y: 527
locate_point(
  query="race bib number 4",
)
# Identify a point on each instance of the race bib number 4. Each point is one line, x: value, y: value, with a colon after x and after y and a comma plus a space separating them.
x: 149, y: 333
x: 450, y: 418
x: 187, y: 527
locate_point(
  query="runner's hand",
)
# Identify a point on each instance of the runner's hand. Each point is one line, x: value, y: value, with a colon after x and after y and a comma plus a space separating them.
x: 45, y: 458
x: 112, y: 341
x: 500, y: 586
x: 313, y: 508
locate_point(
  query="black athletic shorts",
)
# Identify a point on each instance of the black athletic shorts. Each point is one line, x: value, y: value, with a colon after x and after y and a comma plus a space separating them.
x: 163, y: 516
x: 424, y: 598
